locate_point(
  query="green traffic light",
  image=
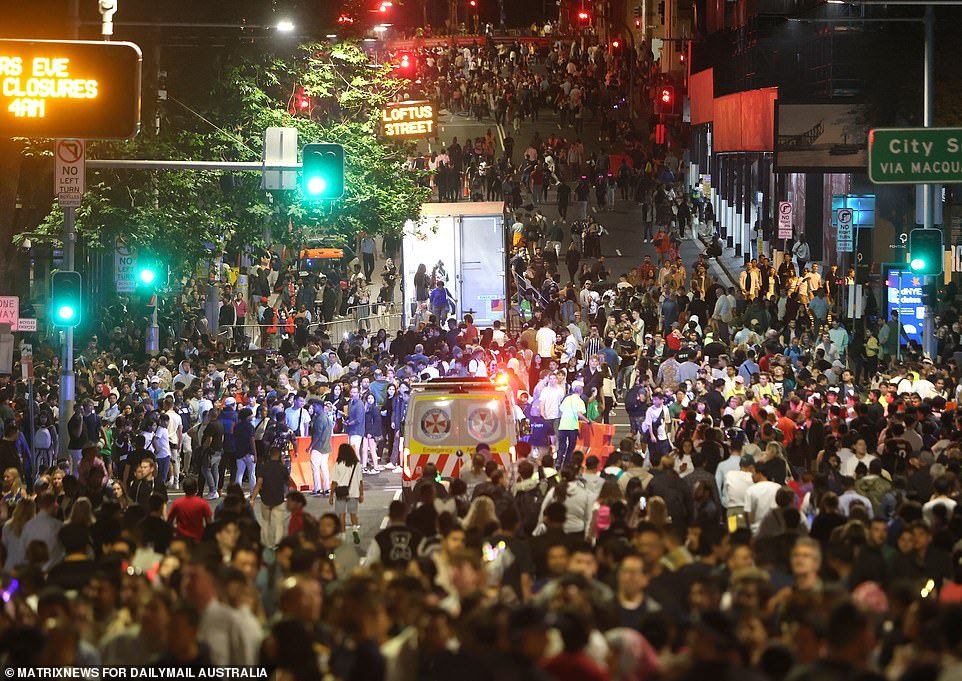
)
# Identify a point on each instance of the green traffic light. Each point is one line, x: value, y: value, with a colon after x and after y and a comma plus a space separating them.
x: 147, y: 276
x: 918, y: 264
x: 322, y: 171
x: 66, y: 298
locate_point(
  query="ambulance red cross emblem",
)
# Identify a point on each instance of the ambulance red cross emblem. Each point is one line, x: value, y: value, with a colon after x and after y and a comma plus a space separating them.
x: 435, y: 424
x: 482, y: 424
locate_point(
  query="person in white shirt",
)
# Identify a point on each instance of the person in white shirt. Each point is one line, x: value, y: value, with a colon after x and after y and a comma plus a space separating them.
x: 549, y: 403
x: 760, y: 500
x: 737, y: 483
x: 298, y: 420
x: 570, y: 346
x: 859, y: 455
x: 546, y: 338
x: 175, y: 434
x: 497, y: 335
x: 941, y: 489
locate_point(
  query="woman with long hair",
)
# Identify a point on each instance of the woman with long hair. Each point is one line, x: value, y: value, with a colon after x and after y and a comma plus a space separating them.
x: 347, y: 476
x: 13, y: 489
x: 117, y: 492
x: 12, y: 535
x: 657, y: 512
x: 481, y: 520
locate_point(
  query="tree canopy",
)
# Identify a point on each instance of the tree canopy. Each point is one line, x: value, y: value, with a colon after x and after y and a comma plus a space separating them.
x: 174, y: 213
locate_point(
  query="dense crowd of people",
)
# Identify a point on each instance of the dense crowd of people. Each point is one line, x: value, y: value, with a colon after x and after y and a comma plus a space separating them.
x: 782, y: 505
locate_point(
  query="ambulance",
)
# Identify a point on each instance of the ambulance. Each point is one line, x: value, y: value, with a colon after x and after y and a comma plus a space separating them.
x: 448, y: 417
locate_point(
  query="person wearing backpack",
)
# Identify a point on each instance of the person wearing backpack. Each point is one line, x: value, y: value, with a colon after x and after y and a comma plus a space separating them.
x: 528, y: 496
x: 655, y: 426
x: 44, y: 443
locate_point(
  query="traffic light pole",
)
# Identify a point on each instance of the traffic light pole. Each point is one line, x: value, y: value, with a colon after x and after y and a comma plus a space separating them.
x: 928, y: 190
x: 66, y: 365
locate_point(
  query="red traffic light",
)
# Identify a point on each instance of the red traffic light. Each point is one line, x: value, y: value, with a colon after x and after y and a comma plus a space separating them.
x: 637, y: 23
x: 300, y: 102
x: 681, y: 57
x: 473, y: 3
x: 665, y: 104
x: 385, y: 6
x: 583, y: 16
x: 345, y: 19
x: 615, y: 44
x: 405, y: 60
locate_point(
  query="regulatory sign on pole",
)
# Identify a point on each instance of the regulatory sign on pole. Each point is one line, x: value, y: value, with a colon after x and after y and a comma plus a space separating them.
x: 10, y: 311
x: 844, y: 238
x: 784, y: 220
x: 68, y: 179
x: 125, y: 263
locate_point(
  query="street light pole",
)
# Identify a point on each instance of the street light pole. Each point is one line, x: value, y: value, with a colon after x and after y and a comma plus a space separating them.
x: 928, y: 190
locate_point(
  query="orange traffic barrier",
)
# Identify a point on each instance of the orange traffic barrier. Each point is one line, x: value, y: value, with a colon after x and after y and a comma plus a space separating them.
x: 595, y: 438
x: 302, y: 477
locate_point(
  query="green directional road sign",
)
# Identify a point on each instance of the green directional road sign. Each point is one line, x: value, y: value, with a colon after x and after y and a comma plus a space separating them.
x: 915, y: 155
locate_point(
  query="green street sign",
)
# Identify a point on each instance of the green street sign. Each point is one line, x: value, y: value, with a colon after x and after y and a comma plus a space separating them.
x: 915, y: 155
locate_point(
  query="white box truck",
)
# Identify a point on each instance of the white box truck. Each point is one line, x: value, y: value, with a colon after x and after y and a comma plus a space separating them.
x: 464, y: 246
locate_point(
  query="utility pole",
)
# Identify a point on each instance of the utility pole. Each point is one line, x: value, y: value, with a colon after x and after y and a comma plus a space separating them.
x: 928, y: 190
x: 66, y: 366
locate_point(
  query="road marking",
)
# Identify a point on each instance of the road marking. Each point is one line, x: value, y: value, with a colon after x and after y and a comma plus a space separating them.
x: 397, y: 496
x: 500, y: 128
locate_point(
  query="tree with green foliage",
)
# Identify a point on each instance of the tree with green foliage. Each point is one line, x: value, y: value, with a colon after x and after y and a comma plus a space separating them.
x: 173, y: 213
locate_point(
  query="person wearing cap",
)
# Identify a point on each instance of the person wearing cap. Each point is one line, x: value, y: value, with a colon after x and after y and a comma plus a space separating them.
x: 155, y: 391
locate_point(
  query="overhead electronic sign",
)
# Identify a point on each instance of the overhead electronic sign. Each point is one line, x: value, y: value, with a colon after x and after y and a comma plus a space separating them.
x: 409, y: 120
x: 69, y: 89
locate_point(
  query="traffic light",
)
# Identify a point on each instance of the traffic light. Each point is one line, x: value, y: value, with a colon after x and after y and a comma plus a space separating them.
x: 930, y: 295
x: 405, y: 62
x: 615, y: 44
x: 661, y: 8
x: 681, y: 57
x: 151, y: 273
x: 637, y: 11
x: 584, y: 17
x: 385, y: 6
x: 66, y: 298
x: 300, y: 102
x: 925, y: 251
x: 665, y: 104
x: 473, y: 4
x: 637, y: 23
x: 322, y: 171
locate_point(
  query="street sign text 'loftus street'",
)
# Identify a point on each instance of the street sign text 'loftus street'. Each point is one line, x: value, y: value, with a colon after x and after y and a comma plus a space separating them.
x: 915, y: 155
x: 409, y: 120
x: 75, y: 89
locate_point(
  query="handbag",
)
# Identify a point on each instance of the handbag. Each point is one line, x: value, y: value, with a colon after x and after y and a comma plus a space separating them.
x: 341, y: 492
